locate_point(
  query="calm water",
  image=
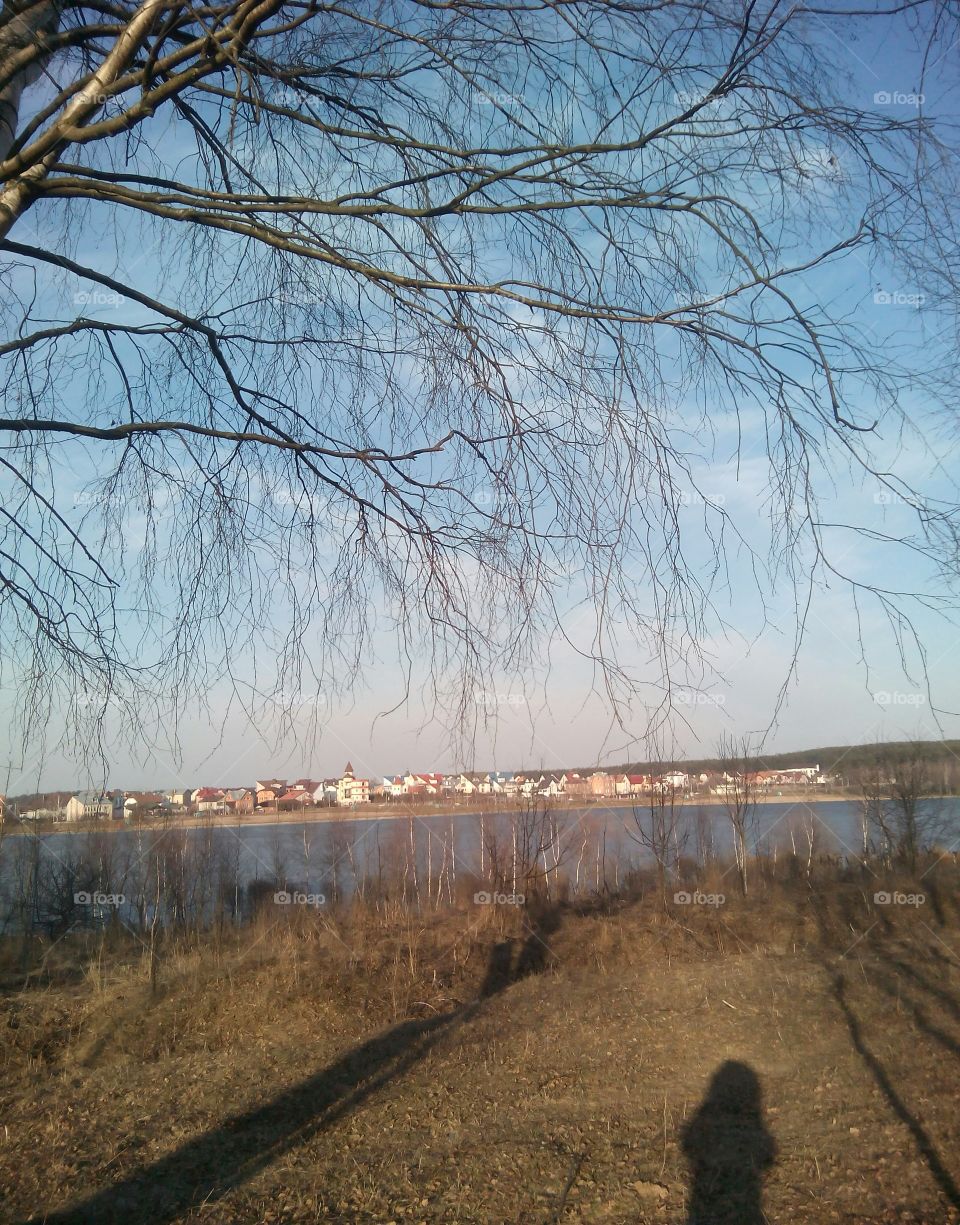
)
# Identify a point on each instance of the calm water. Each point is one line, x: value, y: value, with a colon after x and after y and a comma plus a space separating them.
x: 330, y: 858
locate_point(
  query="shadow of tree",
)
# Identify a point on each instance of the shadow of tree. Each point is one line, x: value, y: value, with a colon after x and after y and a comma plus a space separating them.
x: 211, y: 1165
x: 923, y: 1141
x: 920, y: 997
x: 729, y: 1150
x: 885, y: 948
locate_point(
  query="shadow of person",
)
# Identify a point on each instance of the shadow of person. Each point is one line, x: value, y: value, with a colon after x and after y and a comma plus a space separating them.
x: 534, y: 954
x: 729, y: 1149
x: 541, y: 921
x: 498, y: 975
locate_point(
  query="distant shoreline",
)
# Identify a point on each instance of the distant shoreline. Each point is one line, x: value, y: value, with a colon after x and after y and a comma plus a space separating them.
x: 391, y: 812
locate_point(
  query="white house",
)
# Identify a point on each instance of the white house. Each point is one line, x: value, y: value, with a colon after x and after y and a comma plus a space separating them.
x: 497, y: 783
x: 87, y: 804
x: 209, y: 799
x: 352, y: 790
x: 632, y: 784
x: 423, y: 784
x: 326, y: 792
x: 800, y: 774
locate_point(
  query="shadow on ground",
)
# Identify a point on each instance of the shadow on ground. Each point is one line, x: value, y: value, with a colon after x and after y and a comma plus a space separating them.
x: 205, y: 1169
x: 884, y: 1081
x: 729, y: 1149
x: 894, y: 967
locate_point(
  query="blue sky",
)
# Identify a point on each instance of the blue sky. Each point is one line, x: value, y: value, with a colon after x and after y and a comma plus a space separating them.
x: 849, y: 684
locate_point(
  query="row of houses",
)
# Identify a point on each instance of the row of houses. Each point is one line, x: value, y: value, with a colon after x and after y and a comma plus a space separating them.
x: 600, y: 783
x: 270, y: 794
x: 277, y: 794
x: 795, y: 776
x: 280, y: 795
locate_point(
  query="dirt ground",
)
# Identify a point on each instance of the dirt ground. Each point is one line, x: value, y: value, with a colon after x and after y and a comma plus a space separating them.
x: 609, y: 1066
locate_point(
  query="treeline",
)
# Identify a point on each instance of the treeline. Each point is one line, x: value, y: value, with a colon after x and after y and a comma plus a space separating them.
x: 845, y: 761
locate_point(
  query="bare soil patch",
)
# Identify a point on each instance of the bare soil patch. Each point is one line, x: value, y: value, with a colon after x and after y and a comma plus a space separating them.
x: 784, y: 1061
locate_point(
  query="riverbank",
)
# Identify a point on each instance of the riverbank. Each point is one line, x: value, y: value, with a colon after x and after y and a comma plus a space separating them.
x: 601, y: 1067
x: 384, y: 812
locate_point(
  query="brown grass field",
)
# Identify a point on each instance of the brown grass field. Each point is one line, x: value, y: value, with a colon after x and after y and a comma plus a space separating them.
x: 786, y: 1058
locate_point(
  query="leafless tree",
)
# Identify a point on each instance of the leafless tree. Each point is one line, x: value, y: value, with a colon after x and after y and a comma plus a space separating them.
x: 739, y: 796
x: 659, y: 826
x: 870, y: 809
x: 900, y: 795
x: 804, y: 823
x: 524, y: 852
x: 320, y: 319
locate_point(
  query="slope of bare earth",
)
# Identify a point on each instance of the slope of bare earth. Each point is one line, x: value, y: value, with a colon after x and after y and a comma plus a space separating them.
x: 785, y: 1060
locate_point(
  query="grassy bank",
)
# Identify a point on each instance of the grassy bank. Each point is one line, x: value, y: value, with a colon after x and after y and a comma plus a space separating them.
x: 608, y: 1061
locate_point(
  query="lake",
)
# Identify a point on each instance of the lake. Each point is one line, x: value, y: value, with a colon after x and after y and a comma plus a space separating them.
x: 332, y: 859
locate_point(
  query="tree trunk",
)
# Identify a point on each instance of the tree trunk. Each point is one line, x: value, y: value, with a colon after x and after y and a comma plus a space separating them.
x: 27, y: 29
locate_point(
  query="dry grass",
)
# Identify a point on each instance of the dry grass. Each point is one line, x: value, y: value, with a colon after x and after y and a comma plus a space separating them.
x: 463, y: 1068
